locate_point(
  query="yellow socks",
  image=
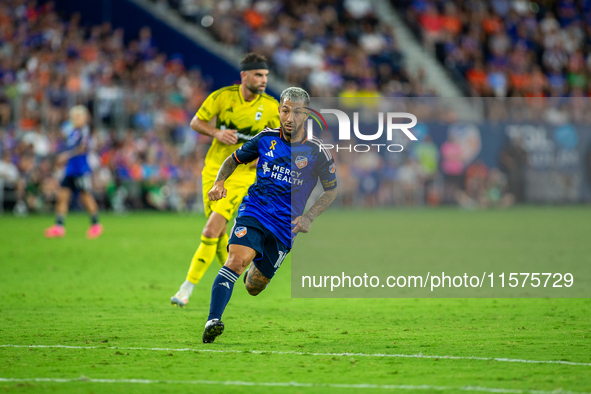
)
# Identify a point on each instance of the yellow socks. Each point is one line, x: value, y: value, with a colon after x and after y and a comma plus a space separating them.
x: 203, y: 258
x: 222, y: 250
x: 207, y: 250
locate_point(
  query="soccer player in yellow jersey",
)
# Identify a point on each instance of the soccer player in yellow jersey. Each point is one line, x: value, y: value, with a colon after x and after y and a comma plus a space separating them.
x: 242, y: 112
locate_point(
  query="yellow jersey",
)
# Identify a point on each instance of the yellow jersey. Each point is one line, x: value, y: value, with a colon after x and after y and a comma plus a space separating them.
x: 233, y: 112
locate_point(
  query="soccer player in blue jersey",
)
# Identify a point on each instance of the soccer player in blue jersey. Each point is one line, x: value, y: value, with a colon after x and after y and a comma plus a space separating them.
x: 272, y: 213
x: 77, y: 175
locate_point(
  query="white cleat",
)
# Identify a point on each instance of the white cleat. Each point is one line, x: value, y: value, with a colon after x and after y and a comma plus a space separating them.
x: 179, y: 299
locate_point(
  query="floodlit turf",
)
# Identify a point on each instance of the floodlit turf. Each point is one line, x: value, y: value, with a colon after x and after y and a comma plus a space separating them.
x: 112, y: 294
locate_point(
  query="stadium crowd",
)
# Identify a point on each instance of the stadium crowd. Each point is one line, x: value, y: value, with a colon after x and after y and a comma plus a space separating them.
x: 141, y: 103
x: 330, y: 48
x: 509, y: 48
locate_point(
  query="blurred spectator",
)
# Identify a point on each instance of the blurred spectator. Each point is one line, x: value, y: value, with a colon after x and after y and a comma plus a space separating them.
x: 427, y: 155
x: 410, y: 179
x: 9, y: 177
x: 484, y: 189
x: 452, y: 166
x: 514, y: 160
x: 8, y: 171
x: 475, y: 179
x: 497, y: 194
x: 474, y: 191
x: 367, y: 169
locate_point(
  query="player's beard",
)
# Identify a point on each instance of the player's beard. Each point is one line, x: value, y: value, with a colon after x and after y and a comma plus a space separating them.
x: 256, y: 89
x: 294, y: 133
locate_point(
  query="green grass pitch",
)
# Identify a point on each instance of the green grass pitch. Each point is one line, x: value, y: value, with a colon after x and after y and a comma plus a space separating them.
x: 109, y: 300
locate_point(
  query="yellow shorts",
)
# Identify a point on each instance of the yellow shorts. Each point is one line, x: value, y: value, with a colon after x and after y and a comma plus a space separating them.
x: 237, y: 187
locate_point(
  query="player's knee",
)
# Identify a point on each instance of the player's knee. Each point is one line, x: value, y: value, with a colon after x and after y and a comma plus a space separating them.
x: 236, y: 264
x: 214, y: 227
x: 210, y: 232
x: 64, y: 194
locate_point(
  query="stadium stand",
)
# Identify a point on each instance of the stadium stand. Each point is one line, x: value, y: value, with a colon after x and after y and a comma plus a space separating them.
x: 508, y: 48
x: 328, y: 47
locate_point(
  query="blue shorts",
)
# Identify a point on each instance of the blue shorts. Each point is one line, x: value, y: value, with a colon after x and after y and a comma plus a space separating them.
x: 248, y: 231
x: 78, y: 183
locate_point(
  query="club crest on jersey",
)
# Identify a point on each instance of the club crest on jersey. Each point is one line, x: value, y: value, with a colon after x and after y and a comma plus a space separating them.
x: 301, y: 161
x: 259, y: 114
x: 240, y: 232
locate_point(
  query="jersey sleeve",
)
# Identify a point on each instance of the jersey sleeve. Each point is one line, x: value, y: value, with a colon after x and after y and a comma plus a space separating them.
x: 326, y: 170
x: 247, y: 152
x: 210, y: 107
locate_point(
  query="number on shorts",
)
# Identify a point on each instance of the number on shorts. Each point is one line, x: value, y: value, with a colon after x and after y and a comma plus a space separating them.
x: 282, y: 256
x: 83, y: 183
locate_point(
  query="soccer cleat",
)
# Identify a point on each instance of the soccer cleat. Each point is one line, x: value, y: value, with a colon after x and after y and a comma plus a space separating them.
x: 179, y: 299
x: 94, y: 231
x: 213, y: 329
x: 55, y: 231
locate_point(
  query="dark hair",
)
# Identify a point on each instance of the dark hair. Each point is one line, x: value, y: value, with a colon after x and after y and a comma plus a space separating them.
x: 253, y: 58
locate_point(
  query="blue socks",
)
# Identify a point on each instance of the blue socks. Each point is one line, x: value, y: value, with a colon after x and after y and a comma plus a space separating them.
x: 221, y: 292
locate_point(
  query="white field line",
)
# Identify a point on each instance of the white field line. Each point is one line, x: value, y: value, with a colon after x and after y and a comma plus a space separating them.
x: 499, y: 359
x: 292, y: 384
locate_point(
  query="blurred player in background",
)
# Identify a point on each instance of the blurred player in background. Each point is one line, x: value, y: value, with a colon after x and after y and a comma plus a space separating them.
x: 242, y: 112
x: 77, y: 177
x: 289, y: 166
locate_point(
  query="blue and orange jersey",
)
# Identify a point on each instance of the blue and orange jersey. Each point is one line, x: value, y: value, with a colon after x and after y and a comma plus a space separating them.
x: 286, y: 175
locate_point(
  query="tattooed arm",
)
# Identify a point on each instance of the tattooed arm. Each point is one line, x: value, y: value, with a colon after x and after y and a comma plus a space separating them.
x: 218, y: 191
x: 303, y: 223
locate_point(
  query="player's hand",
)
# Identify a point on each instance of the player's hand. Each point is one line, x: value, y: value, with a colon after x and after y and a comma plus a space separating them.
x: 254, y: 163
x: 302, y: 225
x: 227, y: 136
x: 217, y: 192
